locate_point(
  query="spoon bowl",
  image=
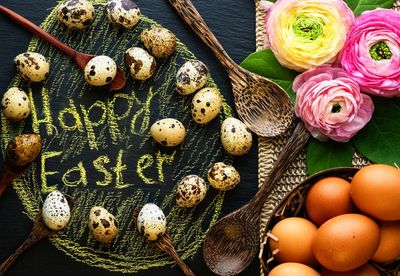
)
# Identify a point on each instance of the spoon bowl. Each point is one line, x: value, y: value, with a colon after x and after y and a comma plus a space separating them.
x: 80, y: 58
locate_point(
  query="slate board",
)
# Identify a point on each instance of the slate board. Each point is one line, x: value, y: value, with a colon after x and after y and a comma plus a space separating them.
x: 226, y: 19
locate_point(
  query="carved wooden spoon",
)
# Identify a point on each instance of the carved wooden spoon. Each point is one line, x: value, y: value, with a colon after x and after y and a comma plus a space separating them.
x: 20, y: 153
x: 261, y: 104
x: 39, y: 231
x: 80, y: 58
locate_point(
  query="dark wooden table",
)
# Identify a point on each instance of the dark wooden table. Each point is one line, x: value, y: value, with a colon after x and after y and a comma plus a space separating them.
x: 231, y: 21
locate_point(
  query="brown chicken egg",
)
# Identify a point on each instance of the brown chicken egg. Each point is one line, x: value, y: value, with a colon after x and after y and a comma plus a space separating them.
x: 293, y: 269
x: 389, y: 247
x: 365, y: 270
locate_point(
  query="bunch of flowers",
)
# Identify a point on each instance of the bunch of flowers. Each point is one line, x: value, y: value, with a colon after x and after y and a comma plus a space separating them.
x: 342, y: 58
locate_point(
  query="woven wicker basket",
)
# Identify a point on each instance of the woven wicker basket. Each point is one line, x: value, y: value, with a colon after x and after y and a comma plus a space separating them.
x: 293, y: 206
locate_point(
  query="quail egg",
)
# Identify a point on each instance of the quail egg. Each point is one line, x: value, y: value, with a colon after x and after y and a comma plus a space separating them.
x: 151, y: 222
x: 168, y: 132
x: 206, y: 105
x: 190, y: 191
x: 32, y: 66
x: 56, y: 212
x: 100, y: 71
x: 223, y: 177
x: 160, y: 42
x: 23, y: 149
x: 76, y: 14
x: 191, y: 77
x: 102, y: 225
x: 140, y: 63
x: 235, y: 137
x: 123, y: 13
x: 15, y: 105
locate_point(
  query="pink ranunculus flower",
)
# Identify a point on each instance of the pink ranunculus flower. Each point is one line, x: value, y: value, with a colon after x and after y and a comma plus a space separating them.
x: 330, y: 103
x: 371, y: 54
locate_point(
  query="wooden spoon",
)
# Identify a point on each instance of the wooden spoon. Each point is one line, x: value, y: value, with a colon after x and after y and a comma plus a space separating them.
x: 39, y: 231
x: 164, y: 244
x: 80, y: 58
x: 232, y: 243
x: 261, y: 104
x: 20, y: 153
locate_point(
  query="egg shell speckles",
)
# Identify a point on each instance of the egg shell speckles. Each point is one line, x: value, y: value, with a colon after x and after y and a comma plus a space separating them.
x: 56, y: 212
x: 15, y: 105
x: 102, y: 225
x: 235, y: 137
x: 206, y: 105
x: 76, y: 14
x: 151, y: 222
x: 168, y: 132
x: 123, y: 13
x: 191, y: 77
x: 223, y: 177
x: 23, y: 149
x: 32, y: 66
x: 140, y: 63
x: 160, y: 42
x: 190, y: 191
x: 100, y: 71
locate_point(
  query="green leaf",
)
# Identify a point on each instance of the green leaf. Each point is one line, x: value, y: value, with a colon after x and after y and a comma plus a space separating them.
x: 358, y: 6
x: 330, y: 154
x: 265, y: 64
x: 379, y: 140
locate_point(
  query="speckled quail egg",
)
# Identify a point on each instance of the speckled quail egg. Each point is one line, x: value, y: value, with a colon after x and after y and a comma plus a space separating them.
x: 160, y: 42
x: 32, y: 66
x: 168, y: 132
x: 23, y: 149
x: 102, y: 225
x: 140, y: 63
x: 223, y: 177
x: 191, y: 77
x: 15, y: 105
x: 206, y: 105
x: 235, y: 137
x: 100, y: 71
x: 151, y: 222
x: 56, y: 212
x: 76, y: 14
x: 190, y: 191
x: 123, y: 13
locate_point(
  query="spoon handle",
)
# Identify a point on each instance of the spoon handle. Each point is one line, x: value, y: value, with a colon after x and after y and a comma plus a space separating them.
x: 7, y: 177
x: 293, y: 147
x: 192, y: 17
x: 28, y: 25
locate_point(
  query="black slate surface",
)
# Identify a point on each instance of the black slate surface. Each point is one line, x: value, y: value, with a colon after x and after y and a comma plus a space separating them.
x: 231, y: 21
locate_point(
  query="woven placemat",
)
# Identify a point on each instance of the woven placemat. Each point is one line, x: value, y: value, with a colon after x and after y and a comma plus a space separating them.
x: 270, y: 148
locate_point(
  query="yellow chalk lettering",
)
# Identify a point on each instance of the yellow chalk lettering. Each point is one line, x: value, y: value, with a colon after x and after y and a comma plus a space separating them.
x: 144, y: 162
x: 71, y: 110
x: 118, y: 169
x: 162, y: 158
x: 114, y: 118
x: 90, y: 124
x: 43, y: 173
x: 48, y: 119
x: 69, y: 174
x: 145, y: 110
x: 99, y: 165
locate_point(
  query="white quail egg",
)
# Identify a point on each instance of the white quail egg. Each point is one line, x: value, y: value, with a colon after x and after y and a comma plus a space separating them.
x: 102, y: 225
x: 32, y: 66
x: 56, y: 212
x: 160, y: 42
x: 168, y: 132
x: 190, y: 191
x: 151, y: 222
x: 123, y: 13
x: 15, y: 104
x: 206, y: 105
x: 76, y: 14
x: 100, y: 70
x: 23, y: 149
x: 235, y: 137
x: 223, y: 177
x: 191, y: 77
x: 140, y: 63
